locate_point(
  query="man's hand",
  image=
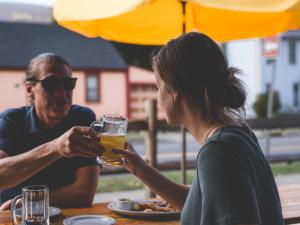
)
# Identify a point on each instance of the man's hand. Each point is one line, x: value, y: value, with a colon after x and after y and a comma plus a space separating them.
x: 6, y: 205
x: 78, y: 141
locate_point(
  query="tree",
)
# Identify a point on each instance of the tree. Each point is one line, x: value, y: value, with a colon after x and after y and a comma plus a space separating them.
x: 260, y: 104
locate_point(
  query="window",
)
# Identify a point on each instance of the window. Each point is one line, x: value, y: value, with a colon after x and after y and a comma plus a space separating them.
x: 296, y: 94
x: 270, y: 61
x: 92, y: 88
x: 292, y: 52
x: 267, y: 87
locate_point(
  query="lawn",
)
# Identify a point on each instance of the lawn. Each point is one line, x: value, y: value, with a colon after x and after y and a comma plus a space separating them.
x: 124, y: 182
x: 285, y: 168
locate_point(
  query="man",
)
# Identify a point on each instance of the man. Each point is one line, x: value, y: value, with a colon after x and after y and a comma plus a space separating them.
x: 44, y: 143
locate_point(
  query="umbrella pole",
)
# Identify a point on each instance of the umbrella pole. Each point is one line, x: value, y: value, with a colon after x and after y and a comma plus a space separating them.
x: 270, y: 106
x: 183, y: 130
x: 183, y: 4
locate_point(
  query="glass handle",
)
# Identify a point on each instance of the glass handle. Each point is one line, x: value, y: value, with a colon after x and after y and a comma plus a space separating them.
x: 97, y: 126
x: 14, y: 208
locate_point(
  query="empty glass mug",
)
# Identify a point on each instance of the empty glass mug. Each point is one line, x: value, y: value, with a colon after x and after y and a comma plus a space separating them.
x: 112, y: 130
x: 35, y: 206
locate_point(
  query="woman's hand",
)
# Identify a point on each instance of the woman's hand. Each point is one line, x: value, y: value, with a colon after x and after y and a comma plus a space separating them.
x: 131, y: 159
x: 78, y: 141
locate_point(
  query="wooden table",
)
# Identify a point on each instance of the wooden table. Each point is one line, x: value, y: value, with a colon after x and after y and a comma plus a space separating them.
x: 96, y: 209
x: 290, y: 201
x: 289, y: 195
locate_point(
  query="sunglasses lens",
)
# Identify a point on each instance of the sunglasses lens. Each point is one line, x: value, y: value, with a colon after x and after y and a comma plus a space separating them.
x: 69, y: 83
x: 51, y: 84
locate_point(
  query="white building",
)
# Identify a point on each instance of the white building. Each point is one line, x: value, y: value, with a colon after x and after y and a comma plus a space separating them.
x: 248, y: 56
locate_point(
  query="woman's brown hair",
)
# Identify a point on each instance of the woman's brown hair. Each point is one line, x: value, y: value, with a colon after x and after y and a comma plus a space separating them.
x: 194, y: 65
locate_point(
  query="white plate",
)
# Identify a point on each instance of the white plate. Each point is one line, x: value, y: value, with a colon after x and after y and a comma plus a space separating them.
x: 90, y: 220
x: 53, y: 211
x: 141, y: 214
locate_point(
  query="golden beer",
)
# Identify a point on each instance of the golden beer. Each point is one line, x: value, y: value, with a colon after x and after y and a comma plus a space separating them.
x: 109, y: 142
x: 112, y: 130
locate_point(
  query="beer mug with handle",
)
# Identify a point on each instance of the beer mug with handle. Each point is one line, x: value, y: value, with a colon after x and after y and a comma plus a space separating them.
x: 35, y: 206
x: 112, y: 130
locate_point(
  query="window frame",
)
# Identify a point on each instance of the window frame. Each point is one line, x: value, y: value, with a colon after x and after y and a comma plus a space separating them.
x: 296, y: 94
x: 95, y: 74
x: 292, y: 52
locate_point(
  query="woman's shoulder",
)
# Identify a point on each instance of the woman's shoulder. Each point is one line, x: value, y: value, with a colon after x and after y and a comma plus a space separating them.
x: 230, y: 142
x: 233, y: 134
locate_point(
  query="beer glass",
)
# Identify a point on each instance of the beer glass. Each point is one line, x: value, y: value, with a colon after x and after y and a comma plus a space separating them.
x: 35, y: 206
x: 112, y: 130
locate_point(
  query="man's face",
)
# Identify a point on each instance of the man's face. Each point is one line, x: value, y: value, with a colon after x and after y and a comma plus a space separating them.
x: 54, y: 104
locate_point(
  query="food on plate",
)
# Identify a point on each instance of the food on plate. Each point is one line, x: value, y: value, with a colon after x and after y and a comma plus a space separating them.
x: 153, y: 206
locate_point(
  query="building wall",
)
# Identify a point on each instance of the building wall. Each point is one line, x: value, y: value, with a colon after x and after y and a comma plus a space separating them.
x: 142, y: 88
x: 286, y: 75
x: 12, y: 89
x: 246, y: 55
x: 140, y: 76
x: 112, y: 92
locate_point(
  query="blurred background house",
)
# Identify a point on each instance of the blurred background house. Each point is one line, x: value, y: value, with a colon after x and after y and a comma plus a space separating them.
x: 248, y: 56
x: 287, y: 72
x: 17, y: 11
x: 106, y: 83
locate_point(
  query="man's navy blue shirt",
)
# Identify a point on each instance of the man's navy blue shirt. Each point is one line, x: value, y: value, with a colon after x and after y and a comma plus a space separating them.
x: 21, y: 131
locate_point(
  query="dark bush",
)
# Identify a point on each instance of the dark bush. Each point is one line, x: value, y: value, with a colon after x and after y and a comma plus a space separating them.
x: 260, y: 104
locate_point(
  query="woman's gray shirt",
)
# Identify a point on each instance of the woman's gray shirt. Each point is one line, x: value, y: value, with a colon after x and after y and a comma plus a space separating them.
x: 234, y: 183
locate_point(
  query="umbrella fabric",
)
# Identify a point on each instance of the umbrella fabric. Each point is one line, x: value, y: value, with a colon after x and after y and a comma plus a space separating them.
x: 90, y: 9
x: 155, y: 22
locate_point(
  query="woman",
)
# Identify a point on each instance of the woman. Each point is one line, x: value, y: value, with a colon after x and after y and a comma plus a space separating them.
x: 233, y: 184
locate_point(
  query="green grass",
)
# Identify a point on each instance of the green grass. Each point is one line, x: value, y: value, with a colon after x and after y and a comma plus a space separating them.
x: 285, y: 168
x: 129, y: 182
x: 118, y: 183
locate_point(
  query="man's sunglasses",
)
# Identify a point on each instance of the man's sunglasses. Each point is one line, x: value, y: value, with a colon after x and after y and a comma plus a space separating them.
x: 53, y: 83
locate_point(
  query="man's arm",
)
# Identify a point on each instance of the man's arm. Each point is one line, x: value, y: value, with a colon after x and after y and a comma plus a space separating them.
x: 16, y: 169
x: 81, y: 192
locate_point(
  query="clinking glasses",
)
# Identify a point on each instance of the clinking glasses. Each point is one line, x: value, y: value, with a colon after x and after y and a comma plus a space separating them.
x: 53, y: 83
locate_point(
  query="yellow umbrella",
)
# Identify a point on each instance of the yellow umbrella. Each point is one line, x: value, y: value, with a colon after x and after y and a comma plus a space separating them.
x: 154, y: 22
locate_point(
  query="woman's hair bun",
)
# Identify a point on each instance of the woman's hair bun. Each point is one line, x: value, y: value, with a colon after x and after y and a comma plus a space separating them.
x: 231, y: 92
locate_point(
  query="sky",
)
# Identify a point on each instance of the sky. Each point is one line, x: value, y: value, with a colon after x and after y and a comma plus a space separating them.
x: 39, y: 2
